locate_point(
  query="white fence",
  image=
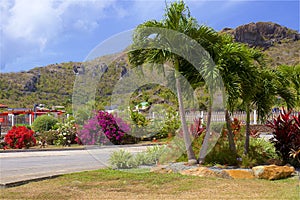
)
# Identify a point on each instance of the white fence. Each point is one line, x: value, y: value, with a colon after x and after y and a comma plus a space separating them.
x: 10, y: 120
x: 220, y: 116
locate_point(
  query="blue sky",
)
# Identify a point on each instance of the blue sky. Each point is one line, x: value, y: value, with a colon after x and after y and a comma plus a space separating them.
x: 40, y: 32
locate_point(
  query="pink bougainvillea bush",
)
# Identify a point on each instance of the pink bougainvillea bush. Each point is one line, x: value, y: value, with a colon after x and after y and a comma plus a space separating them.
x: 91, y: 133
x: 19, y: 137
x: 102, y: 129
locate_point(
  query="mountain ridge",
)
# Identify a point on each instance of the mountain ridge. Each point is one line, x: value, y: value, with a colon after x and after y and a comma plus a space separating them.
x: 262, y: 34
x: 53, y: 84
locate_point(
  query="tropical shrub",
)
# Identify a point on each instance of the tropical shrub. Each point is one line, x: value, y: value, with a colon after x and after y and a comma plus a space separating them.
x: 2, y: 144
x: 138, y: 119
x: 286, y: 136
x: 260, y: 151
x: 46, y: 137
x: 122, y: 160
x: 66, y: 133
x: 139, y: 125
x: 142, y: 159
x: 153, y: 154
x: 236, y: 129
x: 221, y: 154
x: 171, y: 125
x: 91, y: 133
x: 20, y: 137
x: 104, y: 128
x: 113, y: 127
x: 44, y: 123
x: 196, y: 129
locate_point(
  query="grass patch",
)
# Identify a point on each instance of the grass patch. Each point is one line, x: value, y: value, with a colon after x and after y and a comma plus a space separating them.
x: 113, y: 184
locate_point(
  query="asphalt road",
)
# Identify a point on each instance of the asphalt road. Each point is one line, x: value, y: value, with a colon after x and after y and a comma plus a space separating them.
x: 18, y: 167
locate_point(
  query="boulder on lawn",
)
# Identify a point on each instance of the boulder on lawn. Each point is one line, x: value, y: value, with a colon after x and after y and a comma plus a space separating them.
x: 272, y: 172
x: 239, y: 173
x: 199, y: 171
x: 162, y: 169
x: 205, y: 172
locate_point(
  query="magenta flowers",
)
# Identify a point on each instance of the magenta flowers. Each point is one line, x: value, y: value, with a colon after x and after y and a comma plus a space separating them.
x: 103, y: 128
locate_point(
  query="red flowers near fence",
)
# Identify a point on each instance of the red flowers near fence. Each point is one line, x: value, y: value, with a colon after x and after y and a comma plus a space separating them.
x: 19, y: 137
x: 286, y: 132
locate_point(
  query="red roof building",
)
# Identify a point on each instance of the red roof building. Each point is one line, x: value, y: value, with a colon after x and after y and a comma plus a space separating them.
x: 3, y: 106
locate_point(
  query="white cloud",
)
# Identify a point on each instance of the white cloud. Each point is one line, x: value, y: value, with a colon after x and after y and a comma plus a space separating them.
x: 38, y: 21
x: 29, y: 26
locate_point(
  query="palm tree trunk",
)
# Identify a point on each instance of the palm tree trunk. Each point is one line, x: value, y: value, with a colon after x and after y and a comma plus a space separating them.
x: 247, y: 140
x: 186, y: 135
x: 204, y: 147
x: 230, y: 133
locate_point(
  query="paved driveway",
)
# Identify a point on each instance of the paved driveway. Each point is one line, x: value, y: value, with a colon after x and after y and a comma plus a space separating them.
x: 21, y: 166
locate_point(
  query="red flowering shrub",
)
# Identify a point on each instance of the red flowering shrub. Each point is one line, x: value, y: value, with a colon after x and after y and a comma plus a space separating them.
x: 196, y: 129
x: 236, y: 130
x: 20, y: 137
x: 286, y: 136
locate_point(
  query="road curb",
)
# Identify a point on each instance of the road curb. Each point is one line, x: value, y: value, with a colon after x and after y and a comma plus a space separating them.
x: 72, y: 149
x: 34, y: 150
x: 23, y: 182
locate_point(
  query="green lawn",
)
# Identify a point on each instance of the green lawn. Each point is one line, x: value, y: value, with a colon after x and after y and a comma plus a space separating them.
x: 111, y: 184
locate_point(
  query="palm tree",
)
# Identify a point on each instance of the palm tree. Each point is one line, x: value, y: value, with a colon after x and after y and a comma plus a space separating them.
x: 292, y: 74
x: 234, y: 61
x: 228, y: 59
x: 267, y: 85
x: 177, y: 18
x: 273, y: 84
x: 236, y: 64
x: 250, y: 85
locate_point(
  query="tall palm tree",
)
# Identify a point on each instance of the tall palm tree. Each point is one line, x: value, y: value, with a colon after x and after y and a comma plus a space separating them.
x: 228, y: 59
x: 250, y: 74
x: 236, y: 64
x: 266, y: 88
x: 292, y: 74
x: 232, y: 60
x: 177, y: 18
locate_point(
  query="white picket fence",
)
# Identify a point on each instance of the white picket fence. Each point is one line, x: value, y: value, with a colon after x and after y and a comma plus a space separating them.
x: 220, y: 116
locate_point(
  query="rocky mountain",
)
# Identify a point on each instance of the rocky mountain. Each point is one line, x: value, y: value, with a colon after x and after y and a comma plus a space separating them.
x: 54, y: 84
x: 263, y: 34
x: 280, y: 44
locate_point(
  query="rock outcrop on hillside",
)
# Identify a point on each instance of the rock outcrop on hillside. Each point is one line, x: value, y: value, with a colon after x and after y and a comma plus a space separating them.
x: 31, y: 84
x: 262, y: 34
